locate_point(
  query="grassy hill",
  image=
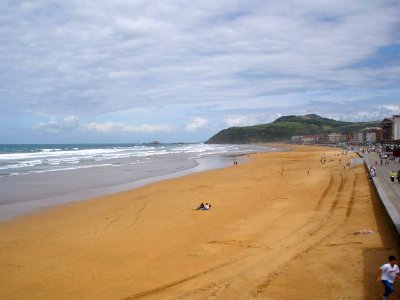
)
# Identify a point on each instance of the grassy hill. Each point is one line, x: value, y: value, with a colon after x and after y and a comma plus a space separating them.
x: 284, y: 128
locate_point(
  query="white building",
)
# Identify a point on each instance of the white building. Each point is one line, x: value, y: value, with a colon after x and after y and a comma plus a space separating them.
x: 309, y: 139
x: 358, y: 138
x: 370, y: 137
x: 396, y: 127
x: 334, y: 137
x: 297, y: 138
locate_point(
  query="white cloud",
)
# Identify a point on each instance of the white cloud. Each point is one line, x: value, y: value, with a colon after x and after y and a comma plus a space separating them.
x: 115, y: 56
x: 51, y: 125
x: 250, y: 119
x: 71, y: 119
x: 101, y: 127
x: 238, y: 121
x: 196, y: 124
x: 122, y: 127
x: 146, y: 128
x: 93, y: 58
x: 395, y: 109
x: 72, y: 123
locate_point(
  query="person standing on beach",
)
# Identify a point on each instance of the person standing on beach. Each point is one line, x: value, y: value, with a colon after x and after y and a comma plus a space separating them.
x: 387, y: 275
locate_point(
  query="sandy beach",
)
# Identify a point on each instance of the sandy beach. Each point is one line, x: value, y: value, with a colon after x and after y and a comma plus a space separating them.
x: 274, y: 232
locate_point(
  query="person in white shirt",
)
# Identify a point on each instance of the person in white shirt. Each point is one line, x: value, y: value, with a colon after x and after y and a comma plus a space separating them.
x: 387, y: 275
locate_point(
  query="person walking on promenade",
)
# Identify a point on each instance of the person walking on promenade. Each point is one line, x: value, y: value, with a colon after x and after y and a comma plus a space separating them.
x: 398, y: 176
x: 387, y: 275
x: 393, y: 175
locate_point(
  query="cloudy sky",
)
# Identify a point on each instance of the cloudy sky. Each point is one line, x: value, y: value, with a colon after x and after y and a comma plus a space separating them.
x: 171, y: 70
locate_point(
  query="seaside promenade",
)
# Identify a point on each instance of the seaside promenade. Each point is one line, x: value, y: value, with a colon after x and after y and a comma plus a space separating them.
x: 389, y: 192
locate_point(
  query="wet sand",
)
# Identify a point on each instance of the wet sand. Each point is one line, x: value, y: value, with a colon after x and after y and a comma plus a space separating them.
x: 274, y: 232
x: 22, y: 195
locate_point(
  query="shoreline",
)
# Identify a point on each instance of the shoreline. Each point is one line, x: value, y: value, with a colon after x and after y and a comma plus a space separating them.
x: 271, y: 223
x: 10, y: 211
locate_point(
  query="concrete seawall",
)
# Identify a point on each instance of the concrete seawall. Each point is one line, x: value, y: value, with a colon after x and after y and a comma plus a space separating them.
x: 388, y: 192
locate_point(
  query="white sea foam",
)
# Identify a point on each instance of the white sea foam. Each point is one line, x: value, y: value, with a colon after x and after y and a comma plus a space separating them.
x: 70, y: 168
x: 57, y: 159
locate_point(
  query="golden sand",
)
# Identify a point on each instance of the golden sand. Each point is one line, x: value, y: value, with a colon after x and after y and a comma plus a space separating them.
x: 274, y: 232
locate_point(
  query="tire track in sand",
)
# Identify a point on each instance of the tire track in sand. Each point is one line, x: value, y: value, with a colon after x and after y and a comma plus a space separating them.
x: 212, y: 290
x: 312, y: 235
x: 299, y: 247
x: 175, y: 283
x: 137, y: 215
x: 343, y: 217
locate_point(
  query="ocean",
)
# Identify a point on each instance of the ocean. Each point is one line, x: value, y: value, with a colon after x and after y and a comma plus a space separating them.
x: 37, y: 176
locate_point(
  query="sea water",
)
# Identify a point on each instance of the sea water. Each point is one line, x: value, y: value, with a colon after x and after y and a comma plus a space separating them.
x: 36, y: 176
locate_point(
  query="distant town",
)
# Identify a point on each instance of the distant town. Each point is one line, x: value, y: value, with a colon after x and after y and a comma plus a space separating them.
x: 387, y: 133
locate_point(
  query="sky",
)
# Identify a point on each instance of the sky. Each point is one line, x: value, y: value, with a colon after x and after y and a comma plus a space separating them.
x: 89, y: 71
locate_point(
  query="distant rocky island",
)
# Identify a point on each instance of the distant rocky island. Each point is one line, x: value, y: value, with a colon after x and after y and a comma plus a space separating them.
x: 283, y: 128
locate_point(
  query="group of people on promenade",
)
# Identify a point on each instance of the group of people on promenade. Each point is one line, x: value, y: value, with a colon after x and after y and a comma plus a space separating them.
x: 393, y: 175
x: 384, y: 161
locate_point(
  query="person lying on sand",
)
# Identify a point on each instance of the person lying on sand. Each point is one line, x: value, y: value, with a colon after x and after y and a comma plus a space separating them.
x: 203, y: 206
